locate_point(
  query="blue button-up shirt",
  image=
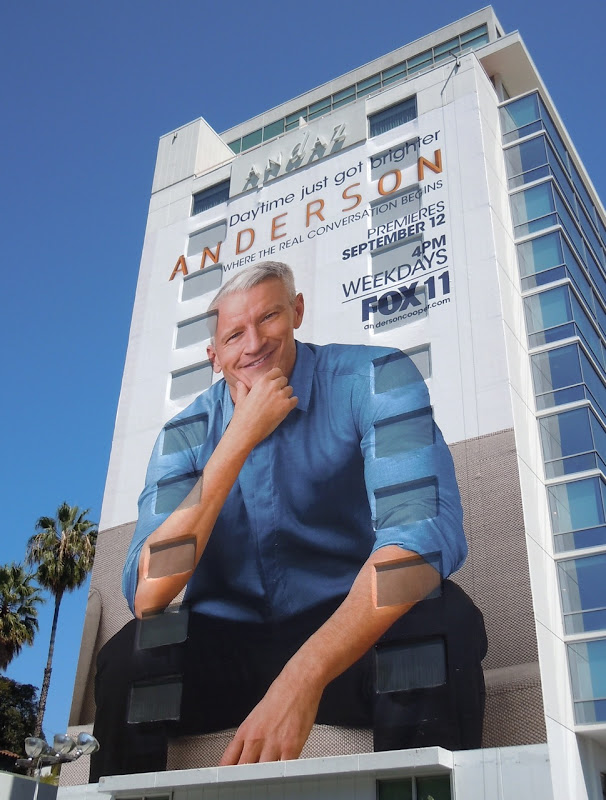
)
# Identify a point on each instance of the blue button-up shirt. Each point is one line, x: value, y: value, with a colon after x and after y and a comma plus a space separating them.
x: 358, y: 464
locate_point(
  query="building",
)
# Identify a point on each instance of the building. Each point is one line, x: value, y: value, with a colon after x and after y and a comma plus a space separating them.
x: 430, y: 200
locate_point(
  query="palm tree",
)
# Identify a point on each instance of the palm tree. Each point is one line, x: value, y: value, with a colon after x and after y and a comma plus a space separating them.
x: 18, y: 612
x: 63, y: 549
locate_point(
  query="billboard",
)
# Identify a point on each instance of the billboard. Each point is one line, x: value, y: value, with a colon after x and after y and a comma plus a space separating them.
x: 314, y: 538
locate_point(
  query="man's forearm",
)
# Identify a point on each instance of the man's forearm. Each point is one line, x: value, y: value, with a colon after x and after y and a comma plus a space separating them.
x: 171, y: 553
x: 278, y: 727
x: 188, y: 528
x: 359, y: 621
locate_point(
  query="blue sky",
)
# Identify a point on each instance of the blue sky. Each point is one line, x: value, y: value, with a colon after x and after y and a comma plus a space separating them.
x: 87, y: 90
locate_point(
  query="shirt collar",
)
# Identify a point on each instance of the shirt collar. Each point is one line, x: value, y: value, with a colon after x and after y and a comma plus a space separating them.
x: 301, y: 381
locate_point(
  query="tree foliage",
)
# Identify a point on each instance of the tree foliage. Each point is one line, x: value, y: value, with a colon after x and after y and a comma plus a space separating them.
x: 18, y: 611
x: 63, y: 550
x: 18, y: 706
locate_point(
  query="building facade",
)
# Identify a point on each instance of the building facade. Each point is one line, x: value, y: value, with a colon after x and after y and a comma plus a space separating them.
x: 431, y: 201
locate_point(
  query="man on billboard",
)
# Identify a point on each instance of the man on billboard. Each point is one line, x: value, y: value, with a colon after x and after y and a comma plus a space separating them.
x: 309, y: 504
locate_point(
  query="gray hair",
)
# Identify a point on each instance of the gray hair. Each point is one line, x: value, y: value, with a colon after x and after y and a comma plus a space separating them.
x: 252, y: 276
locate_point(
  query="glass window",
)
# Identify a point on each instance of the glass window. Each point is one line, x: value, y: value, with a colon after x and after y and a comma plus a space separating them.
x: 577, y: 514
x: 395, y: 789
x: 394, y: 74
x: 406, y: 503
x: 207, y: 237
x: 532, y: 209
x: 582, y: 191
x: 273, y: 129
x: 587, y: 663
x: 393, y: 116
x: 236, y: 145
x: 566, y: 434
x: 403, y: 433
x: 583, y: 593
x: 319, y: 108
x: 167, y: 627
x: 473, y: 34
x: 526, y: 162
x: 192, y: 380
x: 419, y: 62
x: 155, y: 701
x: 547, y: 309
x: 398, y: 369
x: 540, y: 254
x: 433, y: 787
x: 211, y: 197
x: 569, y: 225
x: 201, y: 282
x: 586, y: 330
x: 572, y: 441
x: 292, y: 120
x: 184, y: 434
x: 404, y: 667
x: 554, y: 369
x: 196, y: 330
x: 343, y: 97
x: 427, y: 787
x: 446, y: 47
x: 369, y: 85
x: 252, y: 139
x: 518, y: 114
x: 562, y: 178
x: 553, y: 134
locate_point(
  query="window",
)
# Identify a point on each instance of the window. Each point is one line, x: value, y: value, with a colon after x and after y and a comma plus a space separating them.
x: 577, y: 511
x: 201, y: 282
x: 526, y: 162
x: 401, y: 369
x: 533, y: 209
x: 184, y: 434
x: 520, y: 118
x: 583, y: 593
x: 192, y: 380
x: 369, y: 85
x: 252, y: 139
x: 273, y: 129
x: 572, y: 441
x: 405, y: 503
x: 587, y: 663
x: 207, y: 237
x: 209, y: 198
x: 428, y: 787
x: 403, y: 433
x: 564, y: 375
x: 344, y: 97
x: 549, y: 258
x: 166, y: 627
x: 196, y: 330
x: 557, y: 314
x: 155, y: 701
x: 393, y: 116
x: 405, y: 667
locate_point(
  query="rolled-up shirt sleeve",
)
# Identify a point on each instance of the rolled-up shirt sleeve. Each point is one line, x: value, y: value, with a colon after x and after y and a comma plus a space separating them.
x: 171, y: 475
x: 408, y: 468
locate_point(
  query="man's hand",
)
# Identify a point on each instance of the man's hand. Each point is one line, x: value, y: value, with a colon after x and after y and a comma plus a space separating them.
x: 258, y: 412
x: 262, y: 408
x: 277, y: 727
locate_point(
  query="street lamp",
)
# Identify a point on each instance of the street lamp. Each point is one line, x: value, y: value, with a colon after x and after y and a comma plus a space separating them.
x: 41, y: 754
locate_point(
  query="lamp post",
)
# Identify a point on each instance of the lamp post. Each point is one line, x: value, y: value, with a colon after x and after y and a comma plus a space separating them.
x: 64, y: 749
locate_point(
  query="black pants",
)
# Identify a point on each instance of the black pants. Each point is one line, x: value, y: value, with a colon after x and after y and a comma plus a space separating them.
x: 420, y: 685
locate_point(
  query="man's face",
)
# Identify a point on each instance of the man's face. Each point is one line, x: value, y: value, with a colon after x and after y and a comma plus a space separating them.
x: 255, y: 333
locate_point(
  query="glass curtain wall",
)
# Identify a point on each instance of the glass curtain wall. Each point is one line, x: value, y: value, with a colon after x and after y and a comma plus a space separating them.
x: 561, y: 247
